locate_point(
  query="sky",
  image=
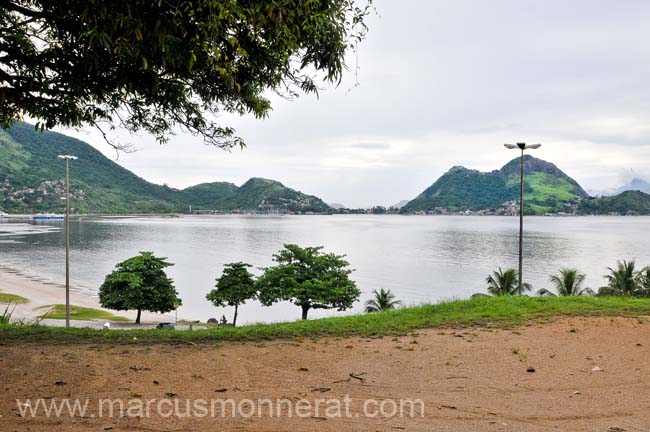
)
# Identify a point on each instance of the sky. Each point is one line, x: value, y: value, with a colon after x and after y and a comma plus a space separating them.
x: 442, y: 83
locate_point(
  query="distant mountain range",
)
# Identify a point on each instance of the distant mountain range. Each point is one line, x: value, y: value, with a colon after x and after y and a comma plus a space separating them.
x: 636, y: 184
x: 31, y: 180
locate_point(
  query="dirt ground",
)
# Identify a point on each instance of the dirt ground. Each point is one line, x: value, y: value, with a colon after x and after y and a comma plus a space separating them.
x: 590, y: 374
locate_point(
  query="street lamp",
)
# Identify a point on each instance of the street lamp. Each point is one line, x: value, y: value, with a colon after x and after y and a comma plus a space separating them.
x: 522, y: 147
x: 67, y: 159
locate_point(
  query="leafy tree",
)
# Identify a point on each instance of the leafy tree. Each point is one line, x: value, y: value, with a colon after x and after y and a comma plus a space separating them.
x: 567, y: 283
x: 624, y: 281
x: 308, y: 278
x: 155, y: 65
x: 139, y: 283
x: 234, y: 287
x: 506, y: 282
x: 383, y: 300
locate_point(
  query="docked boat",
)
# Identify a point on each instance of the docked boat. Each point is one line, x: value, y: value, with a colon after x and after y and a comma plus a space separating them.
x: 48, y: 217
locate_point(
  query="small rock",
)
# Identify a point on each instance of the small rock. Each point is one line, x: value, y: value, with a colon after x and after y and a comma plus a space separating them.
x: 213, y: 321
x: 597, y: 369
x: 576, y: 392
x: 530, y: 369
x: 615, y: 429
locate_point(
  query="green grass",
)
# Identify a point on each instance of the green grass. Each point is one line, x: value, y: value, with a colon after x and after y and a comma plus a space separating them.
x: 12, y: 298
x: 488, y: 312
x: 79, y: 313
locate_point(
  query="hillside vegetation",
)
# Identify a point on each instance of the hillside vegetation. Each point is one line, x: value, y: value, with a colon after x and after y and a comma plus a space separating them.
x: 32, y: 180
x: 547, y: 189
x: 626, y: 203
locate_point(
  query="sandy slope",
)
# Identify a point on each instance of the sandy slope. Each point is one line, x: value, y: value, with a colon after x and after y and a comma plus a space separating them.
x: 468, y: 379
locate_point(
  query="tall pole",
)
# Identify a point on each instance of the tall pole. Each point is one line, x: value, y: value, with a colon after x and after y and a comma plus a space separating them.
x: 521, y: 223
x: 67, y: 243
x: 67, y: 159
x: 523, y: 147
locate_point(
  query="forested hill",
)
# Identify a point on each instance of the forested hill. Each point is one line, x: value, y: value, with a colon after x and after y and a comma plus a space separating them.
x: 32, y: 180
x: 547, y: 188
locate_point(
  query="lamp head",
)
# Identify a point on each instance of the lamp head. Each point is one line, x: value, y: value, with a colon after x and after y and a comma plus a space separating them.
x: 67, y: 157
x: 522, y: 146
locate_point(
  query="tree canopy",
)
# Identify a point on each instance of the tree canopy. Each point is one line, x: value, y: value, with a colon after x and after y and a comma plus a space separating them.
x: 234, y: 287
x: 625, y: 280
x: 156, y: 65
x: 309, y: 279
x: 140, y: 283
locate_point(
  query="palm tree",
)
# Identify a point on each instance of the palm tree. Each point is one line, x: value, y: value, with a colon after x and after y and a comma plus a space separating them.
x: 623, y: 281
x: 644, y: 279
x: 501, y: 283
x: 384, y: 300
x: 567, y: 283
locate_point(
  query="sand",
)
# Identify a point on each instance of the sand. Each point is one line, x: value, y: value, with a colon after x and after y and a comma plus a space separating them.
x: 41, y: 293
x: 590, y: 374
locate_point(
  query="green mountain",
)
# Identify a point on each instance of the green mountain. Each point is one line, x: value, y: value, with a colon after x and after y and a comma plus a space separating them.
x: 209, y: 195
x: 547, y: 189
x: 264, y: 194
x: 32, y: 177
x: 625, y: 203
x: 32, y: 180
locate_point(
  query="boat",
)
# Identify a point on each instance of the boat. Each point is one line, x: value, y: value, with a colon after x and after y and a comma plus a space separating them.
x: 48, y: 217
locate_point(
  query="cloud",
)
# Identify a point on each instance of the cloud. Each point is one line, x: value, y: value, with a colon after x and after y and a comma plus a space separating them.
x: 446, y: 83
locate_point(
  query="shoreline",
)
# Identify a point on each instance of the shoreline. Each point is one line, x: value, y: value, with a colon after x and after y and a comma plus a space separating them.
x: 40, y: 293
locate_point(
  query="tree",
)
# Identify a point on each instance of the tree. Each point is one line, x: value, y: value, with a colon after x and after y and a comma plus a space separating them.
x: 155, y: 65
x: 625, y: 281
x: 567, y: 283
x: 644, y: 279
x: 383, y: 300
x: 234, y: 287
x: 506, y: 282
x: 139, y: 283
x: 309, y: 279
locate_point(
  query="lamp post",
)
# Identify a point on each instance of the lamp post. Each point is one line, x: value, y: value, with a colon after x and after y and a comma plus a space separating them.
x: 523, y: 147
x: 67, y: 159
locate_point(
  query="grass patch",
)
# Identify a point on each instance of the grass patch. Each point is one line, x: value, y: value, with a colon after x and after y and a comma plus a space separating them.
x: 79, y: 313
x: 488, y: 312
x: 12, y: 298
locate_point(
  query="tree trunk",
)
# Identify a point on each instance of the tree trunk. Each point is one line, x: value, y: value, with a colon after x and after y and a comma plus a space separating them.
x: 305, y: 309
x: 137, y: 319
x: 234, y: 320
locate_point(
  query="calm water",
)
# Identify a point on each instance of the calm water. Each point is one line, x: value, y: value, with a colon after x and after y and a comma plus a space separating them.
x: 421, y: 259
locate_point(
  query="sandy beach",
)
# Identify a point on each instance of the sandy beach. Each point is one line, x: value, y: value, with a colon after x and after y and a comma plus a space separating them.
x: 41, y: 294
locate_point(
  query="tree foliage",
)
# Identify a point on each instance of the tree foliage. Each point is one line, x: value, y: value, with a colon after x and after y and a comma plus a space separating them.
x: 309, y: 279
x: 625, y: 280
x: 383, y: 300
x: 567, y: 283
x: 234, y: 287
x: 155, y: 65
x: 506, y: 283
x: 140, y: 283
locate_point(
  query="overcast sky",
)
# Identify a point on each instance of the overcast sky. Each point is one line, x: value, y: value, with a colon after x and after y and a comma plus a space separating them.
x: 445, y: 83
